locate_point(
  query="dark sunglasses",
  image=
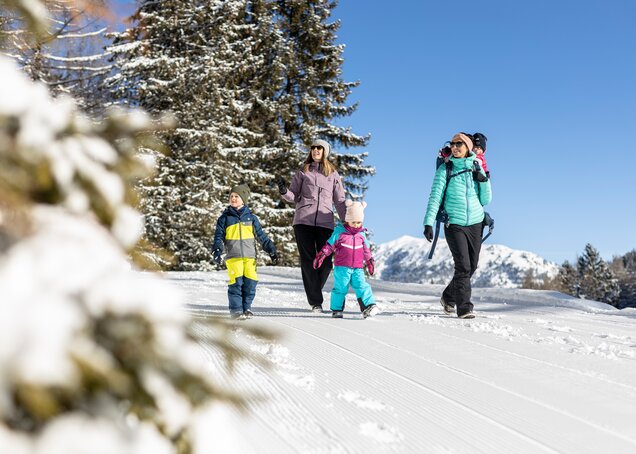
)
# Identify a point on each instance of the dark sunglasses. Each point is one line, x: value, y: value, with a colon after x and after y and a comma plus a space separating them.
x: 317, y: 147
x: 456, y: 144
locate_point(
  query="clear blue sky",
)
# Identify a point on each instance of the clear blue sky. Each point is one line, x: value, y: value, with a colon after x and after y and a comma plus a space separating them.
x: 552, y: 83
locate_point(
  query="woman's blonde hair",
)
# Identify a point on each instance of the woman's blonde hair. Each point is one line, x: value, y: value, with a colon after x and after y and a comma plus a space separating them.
x: 327, y: 166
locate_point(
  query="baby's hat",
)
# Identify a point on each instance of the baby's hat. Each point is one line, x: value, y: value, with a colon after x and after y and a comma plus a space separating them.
x: 355, y: 211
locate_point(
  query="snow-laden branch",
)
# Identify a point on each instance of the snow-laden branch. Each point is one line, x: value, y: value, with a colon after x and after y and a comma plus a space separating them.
x: 82, y: 35
x: 95, y: 57
x: 92, y: 352
x: 84, y: 68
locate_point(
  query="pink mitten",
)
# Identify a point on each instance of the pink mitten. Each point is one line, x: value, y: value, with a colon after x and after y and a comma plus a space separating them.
x: 371, y: 266
x: 320, y: 257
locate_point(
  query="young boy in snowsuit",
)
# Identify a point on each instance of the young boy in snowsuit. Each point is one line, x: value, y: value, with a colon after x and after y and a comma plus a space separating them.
x: 236, y: 231
x: 349, y: 242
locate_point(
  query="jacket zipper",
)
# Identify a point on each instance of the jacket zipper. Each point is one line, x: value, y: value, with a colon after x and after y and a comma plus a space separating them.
x: 241, y: 237
x: 317, y: 207
x: 468, y: 182
x: 353, y: 254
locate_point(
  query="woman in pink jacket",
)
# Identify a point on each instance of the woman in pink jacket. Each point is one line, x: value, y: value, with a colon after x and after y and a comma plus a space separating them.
x: 315, y: 189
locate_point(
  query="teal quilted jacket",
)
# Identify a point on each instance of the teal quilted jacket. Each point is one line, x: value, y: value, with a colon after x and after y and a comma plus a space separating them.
x: 465, y: 197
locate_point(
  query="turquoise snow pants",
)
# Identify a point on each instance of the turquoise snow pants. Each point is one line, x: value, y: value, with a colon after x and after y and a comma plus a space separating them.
x: 342, y: 277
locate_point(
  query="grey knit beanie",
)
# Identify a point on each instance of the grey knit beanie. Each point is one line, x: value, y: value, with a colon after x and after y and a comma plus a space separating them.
x: 324, y: 144
x: 243, y: 191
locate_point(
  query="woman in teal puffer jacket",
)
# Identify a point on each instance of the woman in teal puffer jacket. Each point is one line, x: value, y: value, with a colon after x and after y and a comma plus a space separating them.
x: 464, y: 202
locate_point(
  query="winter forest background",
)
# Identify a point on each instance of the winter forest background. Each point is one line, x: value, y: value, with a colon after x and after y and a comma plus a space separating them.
x: 162, y: 118
x: 249, y: 84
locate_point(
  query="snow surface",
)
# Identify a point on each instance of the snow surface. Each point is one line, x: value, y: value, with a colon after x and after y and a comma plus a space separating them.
x: 535, y: 372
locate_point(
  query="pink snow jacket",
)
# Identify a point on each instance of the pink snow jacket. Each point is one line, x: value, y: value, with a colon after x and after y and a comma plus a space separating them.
x: 350, y: 245
x: 315, y: 195
x: 482, y: 161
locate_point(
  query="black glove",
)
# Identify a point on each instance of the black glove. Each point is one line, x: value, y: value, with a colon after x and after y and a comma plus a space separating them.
x: 274, y: 258
x: 282, y: 186
x: 216, y: 254
x: 488, y: 221
x: 428, y: 233
x: 477, y: 175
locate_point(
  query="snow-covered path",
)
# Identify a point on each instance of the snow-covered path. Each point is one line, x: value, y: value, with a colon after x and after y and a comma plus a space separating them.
x: 535, y: 372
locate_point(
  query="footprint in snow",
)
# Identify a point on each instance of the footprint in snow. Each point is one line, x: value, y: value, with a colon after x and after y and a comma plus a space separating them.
x: 381, y: 432
x: 360, y: 401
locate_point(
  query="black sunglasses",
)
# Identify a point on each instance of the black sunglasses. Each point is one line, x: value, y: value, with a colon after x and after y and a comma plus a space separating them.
x: 456, y: 144
x: 317, y: 147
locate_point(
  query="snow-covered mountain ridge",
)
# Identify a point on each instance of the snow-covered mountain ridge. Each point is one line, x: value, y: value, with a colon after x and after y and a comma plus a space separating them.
x: 406, y: 260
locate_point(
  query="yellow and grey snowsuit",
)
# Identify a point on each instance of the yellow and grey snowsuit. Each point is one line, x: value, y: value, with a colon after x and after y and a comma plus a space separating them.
x: 237, y: 232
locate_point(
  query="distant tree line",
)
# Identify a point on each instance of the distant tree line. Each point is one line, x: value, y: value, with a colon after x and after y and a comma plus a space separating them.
x: 592, y: 278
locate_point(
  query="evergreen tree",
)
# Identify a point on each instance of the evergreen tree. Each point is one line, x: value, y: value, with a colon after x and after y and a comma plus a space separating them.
x: 597, y: 281
x: 111, y: 354
x: 201, y: 73
x: 70, y: 58
x: 255, y: 90
x: 251, y: 84
x: 624, y: 267
x: 629, y: 261
x: 305, y: 97
x: 568, y: 279
x: 313, y: 94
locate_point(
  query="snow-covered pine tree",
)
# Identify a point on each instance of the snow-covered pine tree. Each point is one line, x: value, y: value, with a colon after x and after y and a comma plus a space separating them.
x: 252, y: 83
x: 568, y: 279
x: 194, y: 59
x: 301, y: 97
x: 597, y: 282
x: 95, y: 355
x: 70, y: 58
x: 250, y: 33
x: 313, y: 95
x: 624, y: 267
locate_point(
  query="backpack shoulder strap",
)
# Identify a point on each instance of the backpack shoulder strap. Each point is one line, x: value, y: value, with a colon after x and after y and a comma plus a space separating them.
x: 449, y: 169
x: 449, y: 175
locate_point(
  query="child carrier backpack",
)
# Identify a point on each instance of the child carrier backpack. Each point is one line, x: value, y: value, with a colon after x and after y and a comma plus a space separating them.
x: 442, y: 215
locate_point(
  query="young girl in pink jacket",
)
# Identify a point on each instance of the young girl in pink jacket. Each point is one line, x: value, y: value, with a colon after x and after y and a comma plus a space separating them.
x: 352, y: 252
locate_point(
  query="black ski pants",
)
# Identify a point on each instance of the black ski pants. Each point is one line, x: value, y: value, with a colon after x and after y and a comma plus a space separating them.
x: 310, y: 240
x: 465, y: 245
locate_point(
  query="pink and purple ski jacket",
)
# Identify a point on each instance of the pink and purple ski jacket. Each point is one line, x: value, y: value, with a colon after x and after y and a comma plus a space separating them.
x: 350, y: 246
x: 315, y: 196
